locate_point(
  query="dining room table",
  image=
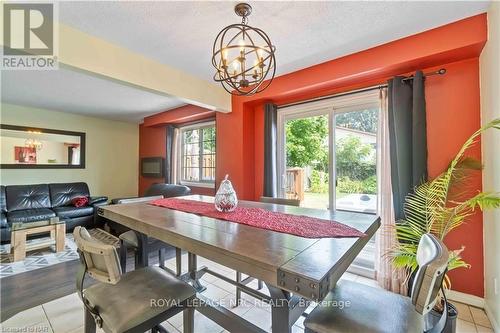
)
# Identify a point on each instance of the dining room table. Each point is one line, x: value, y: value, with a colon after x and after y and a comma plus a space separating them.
x: 296, y: 269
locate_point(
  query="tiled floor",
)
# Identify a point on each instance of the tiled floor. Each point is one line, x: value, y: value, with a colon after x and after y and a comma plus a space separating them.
x: 65, y: 315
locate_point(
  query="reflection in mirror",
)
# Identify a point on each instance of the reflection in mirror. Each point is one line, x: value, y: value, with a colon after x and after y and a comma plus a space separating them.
x: 27, y: 147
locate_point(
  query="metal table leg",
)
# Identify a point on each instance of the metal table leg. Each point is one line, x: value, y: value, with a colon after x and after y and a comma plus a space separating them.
x: 192, y: 268
x: 285, y: 309
x: 161, y: 257
x: 143, y: 260
x: 188, y: 319
x: 238, y: 290
x: 178, y: 261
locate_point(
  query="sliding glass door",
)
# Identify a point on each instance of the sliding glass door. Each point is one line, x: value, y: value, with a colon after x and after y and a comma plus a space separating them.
x: 356, y: 160
x: 327, y: 156
x: 307, y: 160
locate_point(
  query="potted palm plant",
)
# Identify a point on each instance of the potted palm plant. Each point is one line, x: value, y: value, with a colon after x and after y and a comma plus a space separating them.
x: 439, y: 206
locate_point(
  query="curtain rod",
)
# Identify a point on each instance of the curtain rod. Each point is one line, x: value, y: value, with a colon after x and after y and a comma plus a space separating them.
x: 441, y: 71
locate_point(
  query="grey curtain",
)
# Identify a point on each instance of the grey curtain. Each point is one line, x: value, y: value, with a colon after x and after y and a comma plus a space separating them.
x: 270, y: 168
x: 169, y: 156
x: 408, y: 137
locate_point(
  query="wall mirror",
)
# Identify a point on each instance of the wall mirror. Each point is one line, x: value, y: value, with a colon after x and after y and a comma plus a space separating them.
x: 42, y: 148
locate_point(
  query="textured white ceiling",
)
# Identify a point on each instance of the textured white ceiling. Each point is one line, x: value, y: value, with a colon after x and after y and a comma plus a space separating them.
x: 76, y: 92
x: 181, y: 34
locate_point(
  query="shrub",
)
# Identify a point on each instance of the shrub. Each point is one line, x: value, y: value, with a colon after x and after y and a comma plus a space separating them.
x: 346, y: 185
x: 370, y: 185
x: 319, y: 182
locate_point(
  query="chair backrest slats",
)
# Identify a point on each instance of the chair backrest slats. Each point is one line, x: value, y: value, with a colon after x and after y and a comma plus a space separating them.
x: 103, y: 263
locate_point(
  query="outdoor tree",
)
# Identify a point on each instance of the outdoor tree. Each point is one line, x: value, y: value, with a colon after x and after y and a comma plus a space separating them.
x: 307, y: 142
x: 365, y: 120
x: 307, y: 145
x: 354, y: 158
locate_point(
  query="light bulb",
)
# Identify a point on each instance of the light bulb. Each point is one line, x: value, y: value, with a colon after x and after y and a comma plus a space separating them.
x: 255, y: 66
x: 260, y: 52
x: 241, y: 43
x: 235, y: 68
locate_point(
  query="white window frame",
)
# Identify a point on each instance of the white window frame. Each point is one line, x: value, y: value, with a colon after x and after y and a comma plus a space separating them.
x: 205, y: 184
x: 330, y: 107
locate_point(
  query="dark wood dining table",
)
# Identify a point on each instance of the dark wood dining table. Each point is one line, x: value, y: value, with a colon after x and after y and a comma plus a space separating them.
x: 295, y: 269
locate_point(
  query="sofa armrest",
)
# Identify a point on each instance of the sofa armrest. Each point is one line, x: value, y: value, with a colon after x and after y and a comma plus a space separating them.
x: 98, y: 200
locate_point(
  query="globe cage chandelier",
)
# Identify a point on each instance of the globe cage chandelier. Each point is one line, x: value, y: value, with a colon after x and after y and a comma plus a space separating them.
x: 243, y: 56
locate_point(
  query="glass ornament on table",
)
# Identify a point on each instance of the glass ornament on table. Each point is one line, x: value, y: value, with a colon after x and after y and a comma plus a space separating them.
x: 225, y: 198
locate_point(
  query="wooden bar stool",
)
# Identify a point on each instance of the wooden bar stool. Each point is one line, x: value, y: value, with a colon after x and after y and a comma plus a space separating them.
x: 377, y: 310
x: 134, y: 302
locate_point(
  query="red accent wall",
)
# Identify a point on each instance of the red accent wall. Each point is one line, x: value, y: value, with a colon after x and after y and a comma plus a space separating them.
x: 152, y: 143
x: 153, y: 139
x: 452, y: 110
x: 453, y: 114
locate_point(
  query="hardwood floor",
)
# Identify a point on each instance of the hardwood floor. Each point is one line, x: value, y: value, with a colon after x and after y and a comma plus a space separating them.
x: 26, y: 290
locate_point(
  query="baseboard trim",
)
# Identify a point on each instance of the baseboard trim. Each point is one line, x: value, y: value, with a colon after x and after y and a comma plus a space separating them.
x: 489, y: 313
x: 468, y: 299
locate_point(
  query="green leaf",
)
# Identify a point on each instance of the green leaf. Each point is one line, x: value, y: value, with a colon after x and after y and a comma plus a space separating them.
x: 441, y: 205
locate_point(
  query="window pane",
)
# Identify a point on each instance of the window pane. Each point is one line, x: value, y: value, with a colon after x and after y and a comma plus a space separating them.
x: 196, y: 167
x: 208, y: 147
x: 307, y: 158
x: 191, y: 136
x: 209, y: 161
x: 209, y: 134
x: 356, y: 160
x: 190, y: 174
x: 356, y: 168
x: 191, y: 149
x: 191, y: 161
x: 208, y: 174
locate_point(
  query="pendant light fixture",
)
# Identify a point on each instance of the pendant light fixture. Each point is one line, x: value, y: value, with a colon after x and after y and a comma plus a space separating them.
x: 243, y: 56
x: 33, y: 143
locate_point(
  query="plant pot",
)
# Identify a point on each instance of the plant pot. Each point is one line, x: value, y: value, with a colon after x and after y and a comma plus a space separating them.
x: 432, y: 319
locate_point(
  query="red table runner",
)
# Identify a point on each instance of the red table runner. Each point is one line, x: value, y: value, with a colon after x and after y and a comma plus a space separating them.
x: 299, y: 225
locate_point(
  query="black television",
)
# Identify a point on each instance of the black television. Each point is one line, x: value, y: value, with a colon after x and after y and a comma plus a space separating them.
x: 153, y: 167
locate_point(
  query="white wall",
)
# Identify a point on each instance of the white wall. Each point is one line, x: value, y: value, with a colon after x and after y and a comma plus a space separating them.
x: 112, y: 152
x: 490, y: 109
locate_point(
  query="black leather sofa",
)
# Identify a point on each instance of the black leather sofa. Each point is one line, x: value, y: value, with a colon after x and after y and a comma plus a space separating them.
x: 31, y: 203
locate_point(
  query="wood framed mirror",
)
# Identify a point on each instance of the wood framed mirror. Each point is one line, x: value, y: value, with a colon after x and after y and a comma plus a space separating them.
x: 24, y: 147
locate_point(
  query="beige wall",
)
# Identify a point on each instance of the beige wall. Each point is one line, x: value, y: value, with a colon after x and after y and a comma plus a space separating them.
x: 112, y: 152
x: 490, y: 109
